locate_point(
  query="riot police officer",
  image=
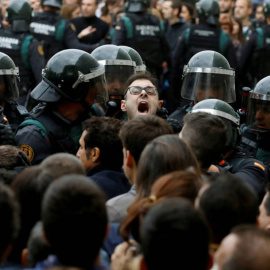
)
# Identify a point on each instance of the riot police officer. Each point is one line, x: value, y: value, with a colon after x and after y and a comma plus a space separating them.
x: 144, y: 33
x: 118, y: 68
x: 207, y: 75
x: 9, y: 77
x: 256, y: 131
x: 206, y: 35
x: 73, y: 81
x: 26, y: 52
x: 233, y: 159
x: 48, y: 26
x: 253, y: 64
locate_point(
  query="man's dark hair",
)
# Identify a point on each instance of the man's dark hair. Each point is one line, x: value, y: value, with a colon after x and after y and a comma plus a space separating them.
x: 7, y: 176
x: 9, y: 212
x: 142, y: 76
x: 61, y: 164
x: 206, y: 135
x: 12, y: 157
x: 227, y: 202
x: 176, y: 4
x: 102, y: 132
x: 137, y: 132
x: 75, y: 220
x: 169, y: 222
x: 251, y: 251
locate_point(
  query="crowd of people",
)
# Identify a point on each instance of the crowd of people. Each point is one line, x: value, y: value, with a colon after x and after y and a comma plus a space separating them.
x: 134, y: 134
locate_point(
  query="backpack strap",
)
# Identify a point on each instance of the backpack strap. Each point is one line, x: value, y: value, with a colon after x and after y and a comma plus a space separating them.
x: 25, y: 49
x: 223, y: 42
x: 260, y: 37
x: 59, y: 33
x: 129, y: 26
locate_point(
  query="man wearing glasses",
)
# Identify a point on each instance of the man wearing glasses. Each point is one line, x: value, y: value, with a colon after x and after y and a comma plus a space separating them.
x: 141, y: 96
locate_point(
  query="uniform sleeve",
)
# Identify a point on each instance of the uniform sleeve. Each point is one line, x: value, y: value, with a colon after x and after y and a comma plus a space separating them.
x: 37, y: 60
x: 33, y: 143
x: 120, y: 33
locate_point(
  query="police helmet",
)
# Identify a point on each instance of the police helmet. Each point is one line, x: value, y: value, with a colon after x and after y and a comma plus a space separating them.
x: 259, y: 106
x: 9, y: 75
x: 52, y: 3
x: 118, y: 66
x: 72, y: 74
x: 135, y: 56
x: 230, y: 118
x: 208, y: 75
x: 208, y: 11
x: 19, y: 10
x: 137, y: 5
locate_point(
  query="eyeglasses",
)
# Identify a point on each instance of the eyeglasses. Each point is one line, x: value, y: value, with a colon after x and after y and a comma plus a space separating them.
x: 136, y: 90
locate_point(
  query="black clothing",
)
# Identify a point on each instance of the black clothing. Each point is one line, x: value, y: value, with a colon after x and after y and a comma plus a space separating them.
x: 253, y: 65
x: 57, y: 134
x: 27, y: 54
x: 143, y: 32
x: 49, y: 26
x: 88, y: 43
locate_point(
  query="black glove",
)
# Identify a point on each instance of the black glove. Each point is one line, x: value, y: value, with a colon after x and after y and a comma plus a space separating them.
x: 6, y: 135
x: 174, y: 124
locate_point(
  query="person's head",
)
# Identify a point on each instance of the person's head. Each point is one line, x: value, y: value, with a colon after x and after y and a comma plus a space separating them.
x: 71, y: 11
x: 137, y: 5
x: 165, y: 154
x: 136, y: 133
x: 258, y: 116
x: 226, y: 6
x: 36, y: 5
x: 19, y: 15
x: 61, y: 164
x: 208, y: 75
x: 118, y: 68
x: 246, y: 247
x: 89, y: 8
x: 226, y: 23
x: 55, y: 4
x: 264, y: 217
x: 243, y: 9
x: 266, y: 9
x: 74, y: 77
x: 141, y: 96
x: 259, y: 12
x: 9, y: 225
x: 174, y: 235
x: 206, y: 136
x: 171, y: 10
x: 100, y: 143
x: 226, y: 202
x: 187, y: 11
x: 185, y: 184
x: 208, y: 11
x: 237, y: 32
x: 74, y: 220
x: 4, y: 5
x: 12, y: 157
x: 227, y: 114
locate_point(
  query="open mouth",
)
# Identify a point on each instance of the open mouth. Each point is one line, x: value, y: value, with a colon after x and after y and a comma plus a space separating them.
x: 143, y: 107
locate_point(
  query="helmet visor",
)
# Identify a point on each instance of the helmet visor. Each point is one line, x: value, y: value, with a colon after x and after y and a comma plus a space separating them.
x: 8, y: 87
x: 205, y: 83
x: 258, y: 116
x: 116, y: 78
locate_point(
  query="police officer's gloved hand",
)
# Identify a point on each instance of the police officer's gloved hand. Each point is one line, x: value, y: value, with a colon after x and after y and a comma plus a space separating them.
x: 174, y: 124
x: 163, y: 113
x: 6, y: 135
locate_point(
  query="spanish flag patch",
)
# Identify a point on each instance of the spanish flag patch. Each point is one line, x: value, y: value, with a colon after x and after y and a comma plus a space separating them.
x: 259, y: 165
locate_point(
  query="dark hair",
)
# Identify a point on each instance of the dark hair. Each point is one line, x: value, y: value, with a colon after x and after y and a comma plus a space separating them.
x: 184, y: 184
x: 61, y: 164
x: 102, y: 132
x: 7, y: 176
x: 251, y: 249
x: 141, y: 76
x: 174, y: 235
x: 190, y: 8
x: 163, y: 155
x: 12, y: 156
x: 137, y: 132
x: 68, y: 9
x: 206, y: 135
x: 240, y: 35
x: 75, y: 220
x: 176, y: 4
x: 9, y: 212
x: 227, y: 202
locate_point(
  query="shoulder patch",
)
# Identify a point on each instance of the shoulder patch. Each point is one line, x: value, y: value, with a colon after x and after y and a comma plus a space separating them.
x: 117, y: 27
x: 28, y: 150
x: 259, y: 165
x: 40, y: 49
x: 73, y: 27
x: 247, y: 38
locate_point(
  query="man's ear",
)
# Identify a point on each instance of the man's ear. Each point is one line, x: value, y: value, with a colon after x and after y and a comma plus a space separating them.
x: 123, y: 105
x: 94, y: 154
x: 24, y: 257
x: 130, y: 159
x: 160, y: 103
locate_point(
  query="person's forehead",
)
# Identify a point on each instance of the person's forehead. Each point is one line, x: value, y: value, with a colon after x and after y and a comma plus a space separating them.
x: 167, y: 4
x: 142, y: 83
x: 88, y: 2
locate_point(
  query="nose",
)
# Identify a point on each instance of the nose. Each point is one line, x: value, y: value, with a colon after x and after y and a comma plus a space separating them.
x: 78, y: 154
x: 259, y: 114
x: 143, y: 93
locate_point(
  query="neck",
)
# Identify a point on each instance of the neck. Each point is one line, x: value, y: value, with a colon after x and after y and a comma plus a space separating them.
x: 69, y: 110
x: 246, y: 22
x: 173, y: 20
